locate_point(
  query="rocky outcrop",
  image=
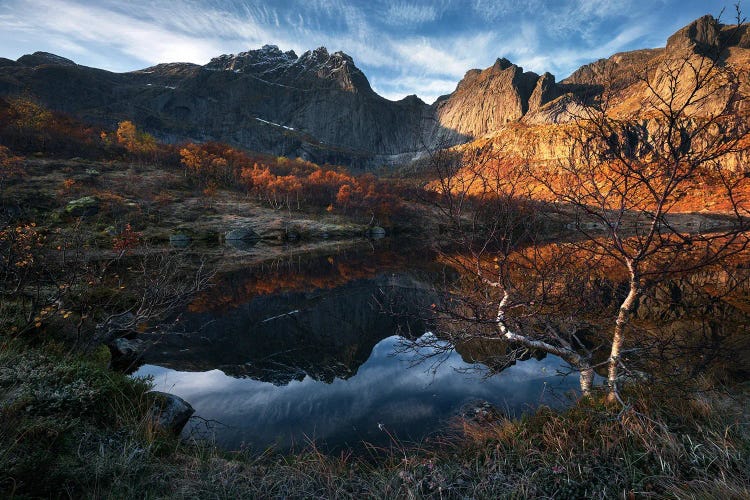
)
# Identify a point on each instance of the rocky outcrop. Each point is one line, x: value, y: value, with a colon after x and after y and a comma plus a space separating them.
x: 86, y: 206
x: 621, y: 69
x: 564, y: 109
x: 702, y: 36
x: 43, y: 58
x: 545, y: 90
x: 486, y: 100
x: 125, y: 353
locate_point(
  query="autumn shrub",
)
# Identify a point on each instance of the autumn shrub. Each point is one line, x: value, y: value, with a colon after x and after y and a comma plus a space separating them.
x: 127, y: 240
x: 289, y: 183
x: 29, y: 127
x: 10, y: 166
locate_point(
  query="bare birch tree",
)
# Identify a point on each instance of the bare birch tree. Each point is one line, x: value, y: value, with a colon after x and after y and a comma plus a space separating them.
x: 626, y: 187
x: 631, y: 173
x: 512, y: 285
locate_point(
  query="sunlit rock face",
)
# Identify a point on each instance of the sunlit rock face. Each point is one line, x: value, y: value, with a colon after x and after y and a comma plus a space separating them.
x: 320, y: 105
x: 486, y: 100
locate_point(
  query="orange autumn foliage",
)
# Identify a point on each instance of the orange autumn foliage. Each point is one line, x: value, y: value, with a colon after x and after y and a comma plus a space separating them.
x: 290, y: 183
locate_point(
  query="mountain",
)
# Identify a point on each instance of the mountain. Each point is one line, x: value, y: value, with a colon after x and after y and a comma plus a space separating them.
x: 317, y: 105
x: 633, y: 79
x: 321, y: 107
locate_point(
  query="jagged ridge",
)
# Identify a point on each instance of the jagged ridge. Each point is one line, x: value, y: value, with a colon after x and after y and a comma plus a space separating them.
x: 320, y: 105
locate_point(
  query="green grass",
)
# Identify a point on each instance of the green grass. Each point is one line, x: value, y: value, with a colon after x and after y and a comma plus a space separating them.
x: 69, y: 427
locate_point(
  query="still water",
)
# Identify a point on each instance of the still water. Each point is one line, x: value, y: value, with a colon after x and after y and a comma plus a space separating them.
x: 314, y: 350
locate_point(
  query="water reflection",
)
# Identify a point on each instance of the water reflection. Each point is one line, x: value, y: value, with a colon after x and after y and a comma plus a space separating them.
x: 300, y: 350
x: 323, y: 334
x: 409, y: 401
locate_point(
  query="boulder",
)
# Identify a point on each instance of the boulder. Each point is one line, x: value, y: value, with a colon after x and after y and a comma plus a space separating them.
x: 169, y: 413
x: 179, y: 240
x: 376, y: 232
x: 126, y: 348
x: 126, y: 352
x: 241, y: 234
x: 480, y: 412
x: 88, y: 205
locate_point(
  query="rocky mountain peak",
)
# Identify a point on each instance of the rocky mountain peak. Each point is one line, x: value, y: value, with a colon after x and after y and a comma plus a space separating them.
x: 488, y: 99
x: 265, y: 59
x: 701, y: 36
x: 545, y: 90
x: 313, y: 69
x: 412, y: 100
x: 338, y: 67
x: 501, y: 64
x: 321, y: 56
x: 619, y: 68
x: 339, y: 55
x: 321, y: 52
x: 502, y: 74
x: 44, y: 58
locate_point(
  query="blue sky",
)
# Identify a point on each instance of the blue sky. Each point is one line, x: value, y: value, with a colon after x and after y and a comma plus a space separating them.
x: 404, y: 46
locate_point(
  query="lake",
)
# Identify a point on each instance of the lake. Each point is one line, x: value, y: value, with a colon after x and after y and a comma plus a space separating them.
x: 317, y: 349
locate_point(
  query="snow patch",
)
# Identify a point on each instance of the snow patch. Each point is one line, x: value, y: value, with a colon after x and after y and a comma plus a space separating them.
x: 274, y: 124
x: 280, y: 316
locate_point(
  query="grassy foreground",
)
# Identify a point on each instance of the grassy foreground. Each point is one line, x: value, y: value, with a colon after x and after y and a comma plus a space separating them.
x: 71, y: 428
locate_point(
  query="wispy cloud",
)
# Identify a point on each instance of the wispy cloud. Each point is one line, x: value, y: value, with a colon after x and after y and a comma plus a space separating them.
x: 430, y: 88
x: 453, y: 56
x: 405, y: 46
x: 407, y: 13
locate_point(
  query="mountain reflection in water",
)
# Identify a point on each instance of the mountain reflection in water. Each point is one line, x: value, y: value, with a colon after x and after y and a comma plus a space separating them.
x: 410, y: 401
x: 281, y: 368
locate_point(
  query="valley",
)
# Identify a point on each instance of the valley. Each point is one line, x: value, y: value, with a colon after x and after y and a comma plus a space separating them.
x: 257, y: 277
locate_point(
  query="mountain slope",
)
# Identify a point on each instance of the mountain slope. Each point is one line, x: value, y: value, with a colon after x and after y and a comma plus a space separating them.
x: 320, y: 106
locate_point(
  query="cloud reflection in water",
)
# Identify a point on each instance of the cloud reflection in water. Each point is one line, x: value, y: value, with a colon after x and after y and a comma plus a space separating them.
x: 410, y: 402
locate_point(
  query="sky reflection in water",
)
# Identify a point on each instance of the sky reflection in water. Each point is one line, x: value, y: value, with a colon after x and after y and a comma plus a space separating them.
x: 410, y: 402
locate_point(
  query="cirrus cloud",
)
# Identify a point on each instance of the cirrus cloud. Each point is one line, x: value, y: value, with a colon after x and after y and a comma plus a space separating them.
x: 404, y: 46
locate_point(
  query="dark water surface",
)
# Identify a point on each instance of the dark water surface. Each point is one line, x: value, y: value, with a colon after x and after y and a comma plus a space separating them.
x: 313, y: 350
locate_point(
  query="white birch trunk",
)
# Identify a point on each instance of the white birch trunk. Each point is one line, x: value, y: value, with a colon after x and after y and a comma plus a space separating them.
x: 618, y: 339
